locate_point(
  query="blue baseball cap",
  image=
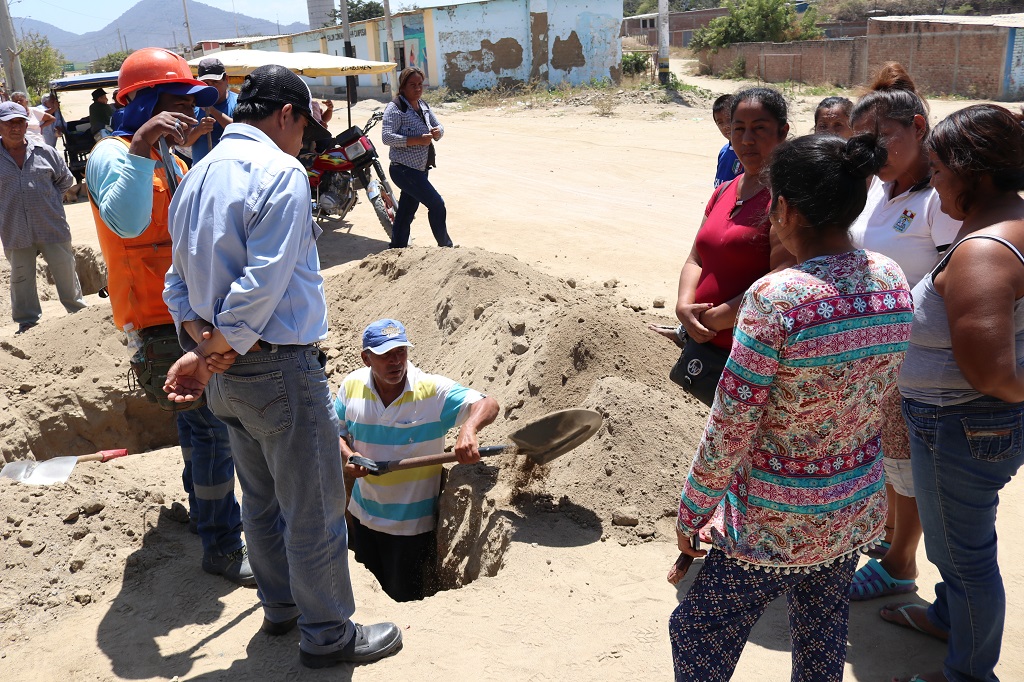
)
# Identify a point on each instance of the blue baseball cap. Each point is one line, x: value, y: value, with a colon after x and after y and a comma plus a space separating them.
x: 384, y: 335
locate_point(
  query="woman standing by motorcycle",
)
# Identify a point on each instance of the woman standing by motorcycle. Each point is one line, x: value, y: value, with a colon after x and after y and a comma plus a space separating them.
x: 410, y: 129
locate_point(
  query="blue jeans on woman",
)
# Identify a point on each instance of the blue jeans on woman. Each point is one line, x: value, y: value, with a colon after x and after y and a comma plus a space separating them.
x: 962, y: 456
x: 416, y: 190
x: 280, y: 416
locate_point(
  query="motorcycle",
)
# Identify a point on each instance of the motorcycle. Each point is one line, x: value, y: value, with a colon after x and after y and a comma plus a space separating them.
x: 337, y: 174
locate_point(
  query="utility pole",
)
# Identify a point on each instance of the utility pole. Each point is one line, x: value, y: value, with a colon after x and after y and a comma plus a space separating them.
x: 663, y: 69
x: 9, y: 46
x: 235, y: 17
x: 391, y: 32
x: 351, y: 82
x: 188, y: 29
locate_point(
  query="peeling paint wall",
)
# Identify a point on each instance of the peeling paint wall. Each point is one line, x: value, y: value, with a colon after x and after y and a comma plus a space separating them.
x: 594, y: 25
x: 482, y: 45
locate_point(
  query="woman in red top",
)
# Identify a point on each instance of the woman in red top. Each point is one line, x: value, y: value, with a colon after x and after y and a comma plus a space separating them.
x: 735, y: 243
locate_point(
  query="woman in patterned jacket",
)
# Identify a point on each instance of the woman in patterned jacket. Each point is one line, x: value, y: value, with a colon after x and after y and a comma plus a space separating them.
x: 788, y: 476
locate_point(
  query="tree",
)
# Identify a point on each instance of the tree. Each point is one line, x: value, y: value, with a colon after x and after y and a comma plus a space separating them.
x: 360, y: 10
x: 40, y: 61
x: 755, y: 21
x: 110, y: 62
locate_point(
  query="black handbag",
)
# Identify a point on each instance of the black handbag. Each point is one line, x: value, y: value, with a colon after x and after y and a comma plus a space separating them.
x: 699, y: 368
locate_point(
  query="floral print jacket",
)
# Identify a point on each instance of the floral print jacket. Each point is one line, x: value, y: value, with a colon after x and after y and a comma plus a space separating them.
x: 789, y: 471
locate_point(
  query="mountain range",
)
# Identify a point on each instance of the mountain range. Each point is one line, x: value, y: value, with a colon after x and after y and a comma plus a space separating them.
x: 154, y: 23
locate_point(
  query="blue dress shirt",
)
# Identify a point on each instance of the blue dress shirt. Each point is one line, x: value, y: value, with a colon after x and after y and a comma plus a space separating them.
x: 244, y: 245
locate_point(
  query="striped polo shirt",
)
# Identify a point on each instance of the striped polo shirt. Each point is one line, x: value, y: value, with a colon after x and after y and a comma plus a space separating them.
x: 415, y: 424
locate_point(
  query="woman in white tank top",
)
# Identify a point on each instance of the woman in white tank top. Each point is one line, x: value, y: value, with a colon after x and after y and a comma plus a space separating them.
x: 963, y: 385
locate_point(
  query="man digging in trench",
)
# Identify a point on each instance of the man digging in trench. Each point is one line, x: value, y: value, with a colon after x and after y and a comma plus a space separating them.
x: 390, y: 409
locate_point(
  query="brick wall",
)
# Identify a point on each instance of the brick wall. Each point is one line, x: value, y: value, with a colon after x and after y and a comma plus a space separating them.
x: 965, y: 59
x: 943, y: 58
x: 816, y: 62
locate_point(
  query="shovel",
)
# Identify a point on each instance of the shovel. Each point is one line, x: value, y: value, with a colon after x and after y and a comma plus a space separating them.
x: 541, y: 440
x: 54, y: 470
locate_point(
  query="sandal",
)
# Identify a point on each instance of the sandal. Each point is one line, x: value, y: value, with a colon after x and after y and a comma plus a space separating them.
x: 907, y: 621
x: 873, y: 581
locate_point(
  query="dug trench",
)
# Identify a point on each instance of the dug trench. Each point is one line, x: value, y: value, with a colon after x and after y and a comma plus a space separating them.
x: 534, y: 342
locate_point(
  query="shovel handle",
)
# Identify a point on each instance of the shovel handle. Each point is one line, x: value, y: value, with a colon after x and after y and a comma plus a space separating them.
x: 430, y: 460
x: 103, y: 455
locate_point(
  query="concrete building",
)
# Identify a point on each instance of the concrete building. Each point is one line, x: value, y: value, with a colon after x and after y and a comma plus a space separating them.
x: 320, y: 12
x: 476, y: 45
x: 681, y: 25
x: 978, y: 57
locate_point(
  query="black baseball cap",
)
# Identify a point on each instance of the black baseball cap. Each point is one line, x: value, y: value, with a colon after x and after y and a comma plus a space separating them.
x: 211, y: 69
x: 273, y: 83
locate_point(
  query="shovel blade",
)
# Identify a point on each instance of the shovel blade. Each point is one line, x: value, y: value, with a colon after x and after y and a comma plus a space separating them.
x: 29, y: 471
x: 555, y: 434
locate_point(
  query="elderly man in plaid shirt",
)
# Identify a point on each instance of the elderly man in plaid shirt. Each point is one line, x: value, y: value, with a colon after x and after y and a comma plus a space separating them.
x: 33, y: 179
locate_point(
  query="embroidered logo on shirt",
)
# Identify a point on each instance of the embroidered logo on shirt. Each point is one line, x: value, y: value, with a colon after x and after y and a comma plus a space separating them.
x: 903, y: 224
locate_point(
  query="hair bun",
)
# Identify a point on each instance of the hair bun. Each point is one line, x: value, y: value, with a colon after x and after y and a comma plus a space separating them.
x: 864, y: 155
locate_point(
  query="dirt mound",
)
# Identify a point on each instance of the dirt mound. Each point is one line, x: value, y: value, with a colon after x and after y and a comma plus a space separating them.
x: 65, y: 545
x: 64, y: 391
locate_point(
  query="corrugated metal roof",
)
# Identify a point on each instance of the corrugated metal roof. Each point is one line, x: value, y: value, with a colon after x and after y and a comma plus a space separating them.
x: 242, y: 41
x: 1006, y: 20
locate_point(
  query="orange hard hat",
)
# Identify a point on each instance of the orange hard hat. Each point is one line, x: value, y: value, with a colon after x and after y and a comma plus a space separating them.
x: 154, y: 66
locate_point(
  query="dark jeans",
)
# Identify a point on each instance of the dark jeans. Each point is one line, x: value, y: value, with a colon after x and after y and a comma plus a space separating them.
x: 962, y: 456
x: 209, y: 479
x: 416, y: 190
x: 402, y: 564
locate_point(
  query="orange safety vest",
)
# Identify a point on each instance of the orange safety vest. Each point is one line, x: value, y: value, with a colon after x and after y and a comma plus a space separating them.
x: 136, y: 266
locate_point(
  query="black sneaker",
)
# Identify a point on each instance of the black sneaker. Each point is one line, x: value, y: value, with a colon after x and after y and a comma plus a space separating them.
x: 370, y: 643
x: 234, y: 566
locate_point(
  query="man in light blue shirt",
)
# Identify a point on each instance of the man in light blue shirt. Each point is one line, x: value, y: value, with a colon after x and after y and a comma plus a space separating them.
x: 245, y: 261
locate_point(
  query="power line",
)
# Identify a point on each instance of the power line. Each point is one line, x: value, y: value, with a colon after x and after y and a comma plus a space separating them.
x: 65, y: 9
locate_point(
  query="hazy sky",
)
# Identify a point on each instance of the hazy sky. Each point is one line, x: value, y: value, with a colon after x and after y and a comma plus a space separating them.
x: 80, y: 17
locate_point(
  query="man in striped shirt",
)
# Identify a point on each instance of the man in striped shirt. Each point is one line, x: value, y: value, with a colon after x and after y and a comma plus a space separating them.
x: 388, y: 410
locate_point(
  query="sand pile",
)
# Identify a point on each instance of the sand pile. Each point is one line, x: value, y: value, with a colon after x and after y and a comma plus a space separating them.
x: 534, y: 342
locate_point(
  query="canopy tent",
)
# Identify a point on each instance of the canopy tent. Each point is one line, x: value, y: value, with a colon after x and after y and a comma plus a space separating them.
x: 86, y: 81
x: 238, y: 63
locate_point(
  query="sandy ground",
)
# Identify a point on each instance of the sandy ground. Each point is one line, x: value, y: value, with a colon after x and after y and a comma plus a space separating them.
x: 562, y: 215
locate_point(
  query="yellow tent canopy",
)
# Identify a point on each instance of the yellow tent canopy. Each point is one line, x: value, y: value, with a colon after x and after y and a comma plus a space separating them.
x: 238, y: 63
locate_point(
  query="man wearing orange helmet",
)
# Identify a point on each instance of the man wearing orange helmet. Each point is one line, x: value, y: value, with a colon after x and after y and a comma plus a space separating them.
x: 130, y: 186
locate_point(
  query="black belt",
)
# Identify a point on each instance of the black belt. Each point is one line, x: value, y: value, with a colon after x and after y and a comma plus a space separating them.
x: 265, y: 346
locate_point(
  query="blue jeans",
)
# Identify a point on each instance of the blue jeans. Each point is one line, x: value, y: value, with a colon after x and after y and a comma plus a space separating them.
x: 284, y: 436
x: 962, y: 456
x: 209, y: 479
x: 416, y: 190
